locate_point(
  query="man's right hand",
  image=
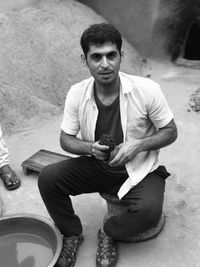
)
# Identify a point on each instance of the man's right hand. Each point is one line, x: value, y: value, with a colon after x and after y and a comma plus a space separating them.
x: 100, y: 151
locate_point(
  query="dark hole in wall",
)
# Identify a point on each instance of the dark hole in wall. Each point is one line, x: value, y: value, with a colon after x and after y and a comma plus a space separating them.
x: 192, y: 43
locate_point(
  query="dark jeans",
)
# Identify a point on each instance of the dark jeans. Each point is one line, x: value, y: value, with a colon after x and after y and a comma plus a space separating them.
x: 84, y: 175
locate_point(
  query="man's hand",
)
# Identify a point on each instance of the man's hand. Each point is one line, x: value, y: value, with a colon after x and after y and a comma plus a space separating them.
x: 123, y: 153
x: 161, y: 138
x: 100, y: 152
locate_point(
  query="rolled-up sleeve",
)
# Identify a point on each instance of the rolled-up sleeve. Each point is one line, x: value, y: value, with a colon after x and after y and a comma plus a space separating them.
x: 70, y: 123
x: 158, y: 109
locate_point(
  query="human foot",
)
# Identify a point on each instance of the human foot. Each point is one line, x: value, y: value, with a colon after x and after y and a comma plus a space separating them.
x: 9, y: 177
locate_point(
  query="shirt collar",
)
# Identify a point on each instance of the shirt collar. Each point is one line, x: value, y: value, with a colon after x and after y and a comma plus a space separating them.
x: 90, y: 91
x: 125, y: 86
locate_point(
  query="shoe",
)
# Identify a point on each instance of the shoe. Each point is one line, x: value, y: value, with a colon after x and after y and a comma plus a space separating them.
x: 107, y: 252
x: 70, y: 247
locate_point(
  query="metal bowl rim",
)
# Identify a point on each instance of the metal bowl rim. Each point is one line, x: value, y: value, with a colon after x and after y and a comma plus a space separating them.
x: 45, y: 220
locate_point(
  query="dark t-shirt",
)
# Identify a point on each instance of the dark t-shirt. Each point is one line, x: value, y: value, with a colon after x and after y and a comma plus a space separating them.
x: 109, y: 122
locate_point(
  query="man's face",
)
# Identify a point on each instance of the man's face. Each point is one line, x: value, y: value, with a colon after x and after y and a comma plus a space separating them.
x: 104, y: 62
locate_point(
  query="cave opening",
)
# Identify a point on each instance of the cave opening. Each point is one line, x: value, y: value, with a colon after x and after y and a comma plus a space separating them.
x: 191, y: 49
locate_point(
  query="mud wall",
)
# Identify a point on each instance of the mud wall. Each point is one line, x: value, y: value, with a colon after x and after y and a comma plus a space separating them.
x: 134, y: 18
x: 155, y: 28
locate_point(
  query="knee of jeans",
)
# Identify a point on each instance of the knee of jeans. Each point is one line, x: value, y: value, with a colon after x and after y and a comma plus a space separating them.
x: 46, y: 179
x: 150, y: 212
x: 131, y: 223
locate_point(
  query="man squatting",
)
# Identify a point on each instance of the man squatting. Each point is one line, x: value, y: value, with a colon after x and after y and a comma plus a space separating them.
x: 134, y: 111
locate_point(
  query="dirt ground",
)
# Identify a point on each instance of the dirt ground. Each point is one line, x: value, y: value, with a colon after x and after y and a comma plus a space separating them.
x: 178, y: 244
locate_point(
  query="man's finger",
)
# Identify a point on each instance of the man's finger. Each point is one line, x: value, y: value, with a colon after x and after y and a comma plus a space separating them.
x: 100, y: 147
x: 116, y: 160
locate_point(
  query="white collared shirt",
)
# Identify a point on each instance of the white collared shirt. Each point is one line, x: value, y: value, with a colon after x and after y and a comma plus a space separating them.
x: 143, y: 109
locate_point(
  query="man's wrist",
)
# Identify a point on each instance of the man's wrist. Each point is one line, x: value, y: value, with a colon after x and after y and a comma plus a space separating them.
x: 90, y: 148
x: 140, y: 145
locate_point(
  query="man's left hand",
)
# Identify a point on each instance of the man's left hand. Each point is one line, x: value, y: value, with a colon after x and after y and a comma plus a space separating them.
x: 125, y: 152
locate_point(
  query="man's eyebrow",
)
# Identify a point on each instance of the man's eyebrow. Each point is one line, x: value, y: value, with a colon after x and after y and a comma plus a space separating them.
x: 112, y: 52
x: 96, y: 54
x: 102, y: 54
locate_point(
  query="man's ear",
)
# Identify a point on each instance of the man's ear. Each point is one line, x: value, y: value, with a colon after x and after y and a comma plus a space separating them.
x: 83, y: 59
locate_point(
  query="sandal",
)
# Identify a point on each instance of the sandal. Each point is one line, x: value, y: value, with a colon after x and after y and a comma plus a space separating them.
x: 11, y: 180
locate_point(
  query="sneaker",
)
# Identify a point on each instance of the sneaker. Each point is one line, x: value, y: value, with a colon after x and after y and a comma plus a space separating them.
x: 107, y: 254
x: 70, y: 247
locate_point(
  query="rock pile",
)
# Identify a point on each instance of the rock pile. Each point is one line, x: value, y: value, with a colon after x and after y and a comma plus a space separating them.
x: 194, y: 102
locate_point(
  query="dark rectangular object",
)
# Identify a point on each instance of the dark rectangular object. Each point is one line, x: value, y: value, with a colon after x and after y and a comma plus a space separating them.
x: 41, y: 159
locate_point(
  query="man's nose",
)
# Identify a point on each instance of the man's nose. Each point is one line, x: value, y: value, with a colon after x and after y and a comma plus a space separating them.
x: 104, y: 62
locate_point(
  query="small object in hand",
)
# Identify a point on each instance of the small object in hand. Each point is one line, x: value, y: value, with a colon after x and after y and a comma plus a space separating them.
x: 107, y: 140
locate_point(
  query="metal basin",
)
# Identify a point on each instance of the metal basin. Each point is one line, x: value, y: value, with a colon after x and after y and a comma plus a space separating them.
x: 35, y: 225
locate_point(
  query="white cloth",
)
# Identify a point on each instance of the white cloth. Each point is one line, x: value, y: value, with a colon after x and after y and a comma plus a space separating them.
x: 4, y: 154
x: 143, y: 109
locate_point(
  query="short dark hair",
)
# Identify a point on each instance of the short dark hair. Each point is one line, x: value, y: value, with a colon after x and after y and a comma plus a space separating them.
x: 98, y: 34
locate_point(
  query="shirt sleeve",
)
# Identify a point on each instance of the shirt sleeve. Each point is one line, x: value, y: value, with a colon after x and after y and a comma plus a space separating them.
x: 158, y: 109
x: 70, y: 123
